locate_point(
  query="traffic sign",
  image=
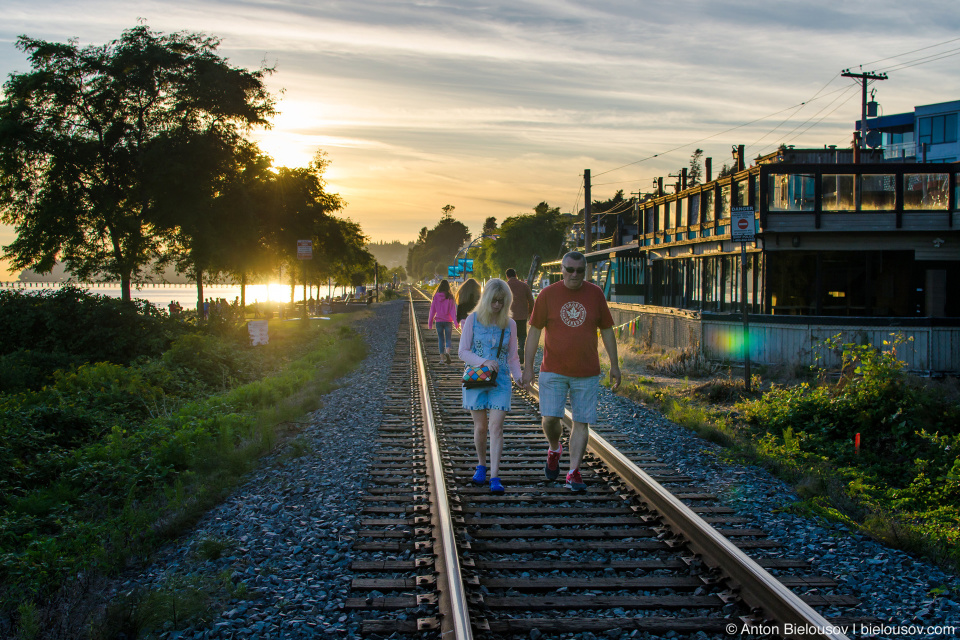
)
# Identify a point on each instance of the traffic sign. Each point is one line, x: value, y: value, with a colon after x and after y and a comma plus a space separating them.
x: 742, y: 225
x: 304, y: 249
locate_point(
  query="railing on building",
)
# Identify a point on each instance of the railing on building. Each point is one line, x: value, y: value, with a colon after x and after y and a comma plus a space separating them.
x: 932, y: 346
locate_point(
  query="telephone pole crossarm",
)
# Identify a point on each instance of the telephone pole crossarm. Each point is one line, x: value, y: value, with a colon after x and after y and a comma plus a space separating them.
x: 863, y: 78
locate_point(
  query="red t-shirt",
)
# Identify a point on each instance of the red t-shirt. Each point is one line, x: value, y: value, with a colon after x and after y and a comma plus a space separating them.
x: 569, y: 319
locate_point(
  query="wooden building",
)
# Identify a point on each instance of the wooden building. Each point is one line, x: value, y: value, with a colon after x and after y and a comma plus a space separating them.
x: 875, y: 243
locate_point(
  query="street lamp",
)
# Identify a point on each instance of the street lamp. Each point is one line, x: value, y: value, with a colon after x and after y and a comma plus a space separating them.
x: 465, y: 250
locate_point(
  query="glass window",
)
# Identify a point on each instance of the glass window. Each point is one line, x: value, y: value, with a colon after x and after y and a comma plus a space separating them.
x: 694, y: 209
x: 743, y: 198
x: 790, y: 192
x: 756, y: 189
x: 711, y: 292
x: 678, y: 214
x: 648, y: 218
x: 665, y: 221
x: 878, y: 192
x: 838, y: 192
x: 938, y: 129
x: 925, y: 191
x: 724, y: 202
x: 956, y: 193
x: 709, y: 204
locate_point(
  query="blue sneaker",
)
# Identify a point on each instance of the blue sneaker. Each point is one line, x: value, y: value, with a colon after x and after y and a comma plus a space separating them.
x: 495, y: 486
x: 481, y: 475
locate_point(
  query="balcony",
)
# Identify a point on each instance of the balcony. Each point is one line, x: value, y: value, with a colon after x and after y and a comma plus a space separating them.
x: 900, y: 151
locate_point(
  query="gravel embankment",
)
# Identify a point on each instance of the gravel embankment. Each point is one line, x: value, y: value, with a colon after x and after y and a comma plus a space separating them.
x: 288, y: 531
x: 892, y: 586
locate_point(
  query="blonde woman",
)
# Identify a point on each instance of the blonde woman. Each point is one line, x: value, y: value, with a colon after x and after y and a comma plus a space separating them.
x: 489, y: 337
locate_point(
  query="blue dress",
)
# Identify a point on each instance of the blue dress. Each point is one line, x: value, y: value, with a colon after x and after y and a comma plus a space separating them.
x: 485, y: 341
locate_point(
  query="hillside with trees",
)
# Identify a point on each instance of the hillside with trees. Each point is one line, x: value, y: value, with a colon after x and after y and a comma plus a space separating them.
x: 390, y: 254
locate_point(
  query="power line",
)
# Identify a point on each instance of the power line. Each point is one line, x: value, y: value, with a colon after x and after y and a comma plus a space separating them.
x: 924, y: 60
x: 802, y: 104
x: 720, y: 133
x: 573, y: 211
x: 849, y: 98
x: 896, y: 67
x: 848, y: 89
x: 688, y: 144
x: 602, y: 184
x: 906, y: 53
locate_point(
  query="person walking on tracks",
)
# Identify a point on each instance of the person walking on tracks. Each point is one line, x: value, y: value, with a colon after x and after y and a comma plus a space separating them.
x: 443, y: 311
x: 468, y: 295
x: 489, y: 338
x: 569, y: 313
x: 521, y: 307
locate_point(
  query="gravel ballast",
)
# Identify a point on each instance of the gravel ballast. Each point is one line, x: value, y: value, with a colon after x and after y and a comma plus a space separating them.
x: 287, y: 532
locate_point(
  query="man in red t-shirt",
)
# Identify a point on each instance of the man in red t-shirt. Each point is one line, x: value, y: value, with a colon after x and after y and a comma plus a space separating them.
x: 569, y: 313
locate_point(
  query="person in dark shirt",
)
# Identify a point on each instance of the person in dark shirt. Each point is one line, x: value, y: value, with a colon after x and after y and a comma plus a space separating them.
x: 468, y: 296
x: 521, y: 308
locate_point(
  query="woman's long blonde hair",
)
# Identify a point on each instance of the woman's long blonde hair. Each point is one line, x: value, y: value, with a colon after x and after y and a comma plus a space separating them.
x: 495, y: 288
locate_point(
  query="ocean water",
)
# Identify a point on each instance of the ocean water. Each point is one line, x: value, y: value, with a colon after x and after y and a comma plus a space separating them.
x: 162, y: 294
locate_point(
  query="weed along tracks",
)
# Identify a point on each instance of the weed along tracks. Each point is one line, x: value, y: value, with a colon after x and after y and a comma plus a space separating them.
x: 642, y: 550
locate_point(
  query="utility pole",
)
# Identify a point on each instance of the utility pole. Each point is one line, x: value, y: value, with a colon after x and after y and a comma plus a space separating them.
x: 587, y: 239
x: 863, y: 79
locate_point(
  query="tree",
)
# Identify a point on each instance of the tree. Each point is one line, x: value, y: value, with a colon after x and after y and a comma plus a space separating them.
x: 85, y: 132
x: 301, y: 209
x: 489, y: 226
x: 695, y: 174
x: 448, y: 211
x: 341, y: 253
x: 526, y: 235
x: 484, y: 265
x: 211, y: 222
x: 435, y: 249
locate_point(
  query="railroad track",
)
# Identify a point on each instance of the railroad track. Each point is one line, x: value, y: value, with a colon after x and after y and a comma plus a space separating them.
x: 643, y: 549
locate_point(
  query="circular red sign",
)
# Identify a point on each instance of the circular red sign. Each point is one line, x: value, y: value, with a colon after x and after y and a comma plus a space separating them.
x: 742, y: 223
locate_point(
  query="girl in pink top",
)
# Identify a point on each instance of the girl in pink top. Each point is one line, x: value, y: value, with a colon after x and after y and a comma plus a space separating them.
x: 443, y: 312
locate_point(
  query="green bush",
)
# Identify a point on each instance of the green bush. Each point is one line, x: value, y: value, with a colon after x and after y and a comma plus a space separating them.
x: 53, y: 329
x: 903, y: 482
x: 874, y: 398
x: 30, y: 369
x: 103, y: 462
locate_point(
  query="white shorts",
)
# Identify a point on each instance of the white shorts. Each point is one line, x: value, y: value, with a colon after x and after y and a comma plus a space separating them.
x: 583, y: 393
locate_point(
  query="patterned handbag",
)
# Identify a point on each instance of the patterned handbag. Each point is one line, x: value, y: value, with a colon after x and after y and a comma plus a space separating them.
x: 482, y: 376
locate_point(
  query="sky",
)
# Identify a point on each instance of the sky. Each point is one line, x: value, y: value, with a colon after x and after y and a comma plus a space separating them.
x: 494, y: 107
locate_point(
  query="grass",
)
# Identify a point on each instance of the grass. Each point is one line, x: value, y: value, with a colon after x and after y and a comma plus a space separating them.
x: 920, y: 517
x: 158, y: 476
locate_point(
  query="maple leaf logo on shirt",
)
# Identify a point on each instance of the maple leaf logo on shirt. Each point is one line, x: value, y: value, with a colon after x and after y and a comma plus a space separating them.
x: 573, y: 314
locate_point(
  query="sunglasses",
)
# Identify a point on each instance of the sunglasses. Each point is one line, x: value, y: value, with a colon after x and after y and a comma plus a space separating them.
x: 497, y: 300
x: 576, y: 269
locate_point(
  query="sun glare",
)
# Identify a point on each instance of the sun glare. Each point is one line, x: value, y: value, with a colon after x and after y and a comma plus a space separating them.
x: 287, y: 149
x: 291, y: 142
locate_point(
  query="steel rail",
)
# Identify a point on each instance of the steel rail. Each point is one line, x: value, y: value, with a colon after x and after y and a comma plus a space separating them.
x: 755, y: 586
x: 455, y: 616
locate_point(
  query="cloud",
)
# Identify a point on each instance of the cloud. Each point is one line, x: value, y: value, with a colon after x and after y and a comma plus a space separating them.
x: 495, y: 106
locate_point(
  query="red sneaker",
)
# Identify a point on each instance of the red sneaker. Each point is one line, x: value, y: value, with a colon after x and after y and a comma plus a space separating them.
x: 575, y: 482
x: 552, y: 469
